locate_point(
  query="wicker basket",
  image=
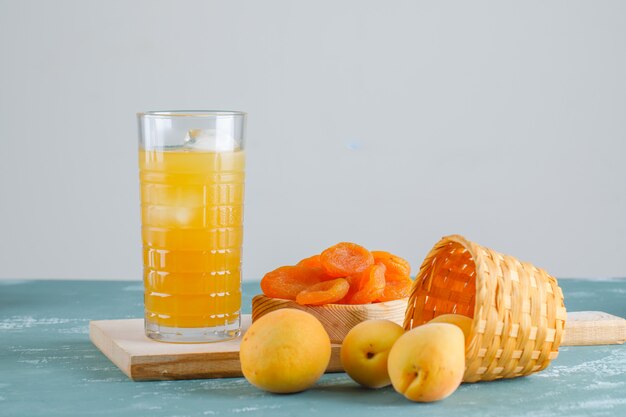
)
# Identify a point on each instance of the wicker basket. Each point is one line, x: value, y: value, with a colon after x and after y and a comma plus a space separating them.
x: 517, y: 309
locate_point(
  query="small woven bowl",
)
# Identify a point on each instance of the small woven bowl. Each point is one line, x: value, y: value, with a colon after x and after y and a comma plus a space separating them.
x: 517, y: 309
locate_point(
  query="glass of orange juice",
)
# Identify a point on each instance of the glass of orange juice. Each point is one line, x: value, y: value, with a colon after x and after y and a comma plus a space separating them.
x: 191, y: 170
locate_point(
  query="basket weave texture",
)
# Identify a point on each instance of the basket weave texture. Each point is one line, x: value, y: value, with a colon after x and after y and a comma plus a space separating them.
x: 517, y: 309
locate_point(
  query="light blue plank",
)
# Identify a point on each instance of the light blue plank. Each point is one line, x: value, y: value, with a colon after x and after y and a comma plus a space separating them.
x: 48, y: 367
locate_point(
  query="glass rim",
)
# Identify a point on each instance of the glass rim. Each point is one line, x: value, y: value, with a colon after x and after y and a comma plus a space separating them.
x: 191, y: 113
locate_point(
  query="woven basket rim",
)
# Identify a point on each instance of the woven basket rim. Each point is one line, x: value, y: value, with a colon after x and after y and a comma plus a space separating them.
x: 478, y: 270
x: 467, y: 245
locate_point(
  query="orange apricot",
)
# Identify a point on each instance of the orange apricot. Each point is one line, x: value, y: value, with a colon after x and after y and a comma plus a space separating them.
x: 325, y: 292
x: 345, y: 258
x: 369, y: 285
x: 397, y: 268
x: 314, y: 263
x: 311, y: 261
x: 396, y: 290
x: 288, y: 281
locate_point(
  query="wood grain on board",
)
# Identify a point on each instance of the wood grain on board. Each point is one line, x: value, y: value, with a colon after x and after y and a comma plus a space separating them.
x: 585, y: 328
x: 124, y: 343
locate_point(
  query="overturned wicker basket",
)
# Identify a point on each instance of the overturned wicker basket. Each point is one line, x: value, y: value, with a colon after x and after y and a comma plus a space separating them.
x: 517, y: 309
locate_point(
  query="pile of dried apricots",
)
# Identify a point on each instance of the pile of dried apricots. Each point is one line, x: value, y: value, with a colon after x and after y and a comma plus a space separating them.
x: 345, y: 273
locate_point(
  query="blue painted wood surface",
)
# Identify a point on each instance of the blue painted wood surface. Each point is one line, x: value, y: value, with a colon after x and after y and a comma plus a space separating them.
x: 48, y: 367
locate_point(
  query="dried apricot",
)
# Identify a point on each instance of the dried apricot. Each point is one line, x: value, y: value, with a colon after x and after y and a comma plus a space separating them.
x: 369, y: 285
x: 345, y: 258
x: 397, y: 268
x: 355, y: 281
x: 324, y: 292
x: 396, y: 290
x: 312, y: 261
x: 288, y: 281
x: 345, y: 273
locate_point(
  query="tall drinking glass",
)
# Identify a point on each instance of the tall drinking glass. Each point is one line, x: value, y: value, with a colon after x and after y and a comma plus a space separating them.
x: 191, y: 169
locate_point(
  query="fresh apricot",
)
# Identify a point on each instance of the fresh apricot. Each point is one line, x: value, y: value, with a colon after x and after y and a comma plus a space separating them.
x: 427, y: 363
x: 326, y: 292
x: 345, y: 259
x: 365, y: 349
x: 285, y: 351
x: 464, y: 323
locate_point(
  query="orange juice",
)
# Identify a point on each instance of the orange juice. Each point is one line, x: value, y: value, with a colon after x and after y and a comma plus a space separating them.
x: 192, y: 230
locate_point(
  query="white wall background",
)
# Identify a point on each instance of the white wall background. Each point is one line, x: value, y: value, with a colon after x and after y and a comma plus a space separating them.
x: 387, y: 123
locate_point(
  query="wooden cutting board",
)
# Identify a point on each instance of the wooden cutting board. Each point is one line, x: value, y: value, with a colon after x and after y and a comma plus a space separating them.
x: 124, y: 343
